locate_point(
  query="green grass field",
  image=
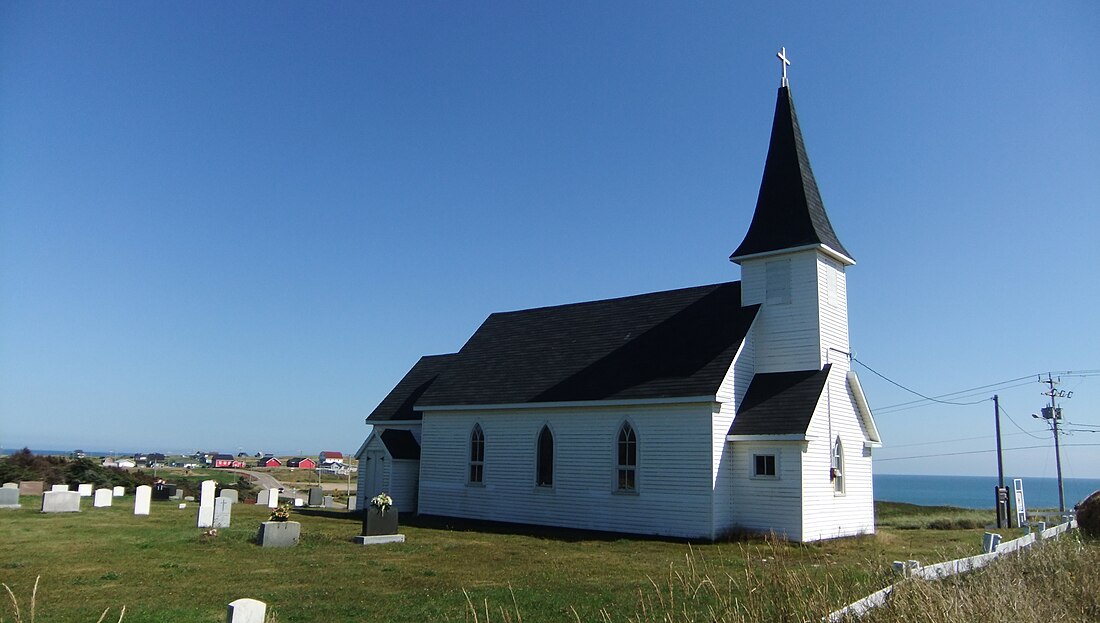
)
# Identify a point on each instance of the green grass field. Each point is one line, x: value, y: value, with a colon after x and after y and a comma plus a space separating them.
x: 162, y: 568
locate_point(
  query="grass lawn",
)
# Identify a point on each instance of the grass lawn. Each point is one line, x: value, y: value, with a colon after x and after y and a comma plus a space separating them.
x: 163, y: 569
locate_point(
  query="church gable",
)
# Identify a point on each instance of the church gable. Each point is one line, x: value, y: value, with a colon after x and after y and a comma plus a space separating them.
x: 673, y: 344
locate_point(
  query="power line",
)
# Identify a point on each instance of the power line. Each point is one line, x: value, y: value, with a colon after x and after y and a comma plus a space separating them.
x: 930, y: 456
x: 959, y: 439
x: 913, y: 391
x: 968, y: 392
x: 1033, y: 436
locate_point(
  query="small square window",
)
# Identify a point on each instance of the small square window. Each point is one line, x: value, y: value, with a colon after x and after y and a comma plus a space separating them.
x: 763, y: 465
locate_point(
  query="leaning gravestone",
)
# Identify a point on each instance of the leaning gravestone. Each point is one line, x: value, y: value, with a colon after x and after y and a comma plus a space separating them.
x: 61, y: 502
x: 206, y: 493
x: 246, y: 611
x: 316, y: 496
x: 262, y: 497
x: 1088, y: 515
x: 103, y: 497
x: 143, y: 496
x: 85, y: 489
x: 230, y: 494
x: 273, y: 499
x: 223, y: 511
x: 59, y: 488
x: 9, y: 497
x: 118, y: 492
x: 31, y: 487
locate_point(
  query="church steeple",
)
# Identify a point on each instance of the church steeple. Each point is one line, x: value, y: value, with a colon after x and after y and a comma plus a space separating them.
x: 789, y: 213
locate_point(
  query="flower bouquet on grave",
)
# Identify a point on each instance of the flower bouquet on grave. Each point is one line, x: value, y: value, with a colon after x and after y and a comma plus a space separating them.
x: 381, y: 502
x: 280, y: 513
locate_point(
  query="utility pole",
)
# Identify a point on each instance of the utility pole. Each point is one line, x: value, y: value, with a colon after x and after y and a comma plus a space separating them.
x: 1002, y: 492
x: 1053, y: 413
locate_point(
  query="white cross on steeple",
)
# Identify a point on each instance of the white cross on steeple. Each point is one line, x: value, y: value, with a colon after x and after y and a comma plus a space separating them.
x: 782, y: 54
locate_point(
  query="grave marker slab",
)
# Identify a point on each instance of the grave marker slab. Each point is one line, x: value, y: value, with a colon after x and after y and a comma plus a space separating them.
x: 118, y: 492
x: 351, y: 503
x: 206, y: 516
x: 273, y: 499
x: 246, y: 611
x: 11, y: 485
x: 316, y: 496
x: 230, y: 494
x: 206, y: 495
x: 328, y: 502
x: 223, y: 511
x: 262, y: 497
x: 299, y: 502
x: 9, y: 497
x: 103, y: 497
x: 31, y: 487
x: 279, y: 533
x: 59, y: 488
x: 143, y: 497
x: 85, y: 489
x: 61, y: 502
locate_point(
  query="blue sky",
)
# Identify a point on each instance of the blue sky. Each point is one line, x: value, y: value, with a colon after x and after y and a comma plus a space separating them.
x: 237, y: 225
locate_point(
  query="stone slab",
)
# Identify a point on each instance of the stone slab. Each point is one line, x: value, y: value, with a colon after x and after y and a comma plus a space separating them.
x: 103, y: 498
x: 9, y: 497
x: 143, y: 497
x: 380, y: 539
x: 328, y: 502
x: 223, y: 512
x: 85, y: 489
x: 207, y: 493
x: 246, y: 611
x: 230, y: 494
x: 11, y: 485
x: 118, y: 491
x: 262, y: 497
x: 31, y: 487
x: 59, y: 488
x: 206, y: 516
x: 316, y: 496
x: 279, y: 533
x: 61, y: 502
x: 273, y: 499
x: 351, y: 503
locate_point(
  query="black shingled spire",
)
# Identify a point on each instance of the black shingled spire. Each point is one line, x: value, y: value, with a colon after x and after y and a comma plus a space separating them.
x: 789, y: 212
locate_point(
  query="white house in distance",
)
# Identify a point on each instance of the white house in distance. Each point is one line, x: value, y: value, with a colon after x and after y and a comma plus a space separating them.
x: 686, y: 413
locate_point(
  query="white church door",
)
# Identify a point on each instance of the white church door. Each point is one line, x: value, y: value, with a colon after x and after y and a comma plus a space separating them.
x: 376, y: 463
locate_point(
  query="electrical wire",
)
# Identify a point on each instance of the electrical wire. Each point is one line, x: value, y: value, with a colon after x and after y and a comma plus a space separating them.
x: 1032, y: 435
x: 966, y: 393
x: 930, y: 456
x: 912, y: 391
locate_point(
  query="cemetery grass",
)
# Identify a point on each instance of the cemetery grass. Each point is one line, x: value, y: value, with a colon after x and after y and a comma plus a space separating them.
x: 163, y: 569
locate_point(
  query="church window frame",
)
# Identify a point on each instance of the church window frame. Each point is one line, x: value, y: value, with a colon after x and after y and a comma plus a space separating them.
x: 544, y: 458
x: 626, y: 458
x: 476, y: 472
x: 765, y: 465
x: 836, y: 467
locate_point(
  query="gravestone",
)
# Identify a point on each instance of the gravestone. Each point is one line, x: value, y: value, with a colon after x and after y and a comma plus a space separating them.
x: 316, y: 496
x: 206, y: 494
x: 380, y: 527
x: 188, y: 498
x: 173, y: 490
x: 299, y: 502
x: 85, y: 489
x: 11, y: 485
x: 206, y: 516
x: 328, y: 502
x: 262, y: 497
x: 246, y: 611
x: 351, y: 503
x: 118, y: 492
x: 103, y: 497
x: 223, y: 511
x: 279, y: 533
x: 142, y: 497
x: 31, y: 487
x: 59, y: 488
x: 160, y: 491
x: 231, y: 495
x: 273, y: 499
x: 9, y: 497
x: 61, y: 502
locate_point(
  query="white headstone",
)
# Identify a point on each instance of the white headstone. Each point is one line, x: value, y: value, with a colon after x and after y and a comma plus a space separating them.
x: 143, y: 495
x: 61, y: 502
x: 351, y: 503
x: 262, y: 497
x: 246, y: 611
x: 206, y: 516
x: 183, y: 505
x: 85, y: 490
x: 9, y: 497
x: 11, y: 485
x: 273, y: 499
x: 103, y: 497
x: 299, y: 502
x: 59, y: 488
x: 230, y: 494
x: 118, y: 492
x: 223, y: 511
x: 206, y: 497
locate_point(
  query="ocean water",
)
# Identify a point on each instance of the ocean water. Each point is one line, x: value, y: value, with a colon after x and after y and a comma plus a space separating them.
x: 977, y: 491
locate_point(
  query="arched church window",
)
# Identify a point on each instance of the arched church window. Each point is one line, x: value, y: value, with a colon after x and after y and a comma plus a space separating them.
x: 626, y: 459
x: 477, y: 455
x: 836, y: 472
x: 544, y: 476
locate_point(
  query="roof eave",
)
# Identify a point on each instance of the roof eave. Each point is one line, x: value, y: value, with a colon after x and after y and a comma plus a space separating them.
x: 787, y: 437
x: 824, y: 248
x: 705, y: 399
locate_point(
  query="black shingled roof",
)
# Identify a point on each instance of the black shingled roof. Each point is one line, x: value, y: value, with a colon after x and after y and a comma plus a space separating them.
x: 670, y: 344
x: 789, y: 212
x: 780, y: 403
x: 401, y: 444
x: 398, y: 404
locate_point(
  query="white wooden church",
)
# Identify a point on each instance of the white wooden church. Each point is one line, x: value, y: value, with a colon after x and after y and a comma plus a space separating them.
x: 686, y: 413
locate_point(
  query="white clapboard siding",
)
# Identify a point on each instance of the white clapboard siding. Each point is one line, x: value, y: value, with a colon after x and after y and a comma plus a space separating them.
x: 674, y: 473
x: 833, y: 320
x: 768, y: 504
x: 785, y: 336
x: 827, y: 514
x: 400, y: 478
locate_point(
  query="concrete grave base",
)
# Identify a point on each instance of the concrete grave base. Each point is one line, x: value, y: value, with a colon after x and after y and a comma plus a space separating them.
x: 379, y: 539
x: 279, y: 533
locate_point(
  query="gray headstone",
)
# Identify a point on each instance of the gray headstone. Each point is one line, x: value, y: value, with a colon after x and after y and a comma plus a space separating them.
x: 328, y: 502
x: 59, y: 488
x: 223, y: 512
x: 316, y: 496
x: 31, y: 487
x: 279, y: 533
x: 61, y: 502
x: 85, y: 489
x: 118, y: 492
x: 351, y: 503
x: 230, y: 494
x: 9, y: 497
x: 143, y: 496
x: 188, y: 498
x: 246, y: 611
x: 262, y: 497
x: 103, y: 497
x: 11, y: 485
x: 206, y: 496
